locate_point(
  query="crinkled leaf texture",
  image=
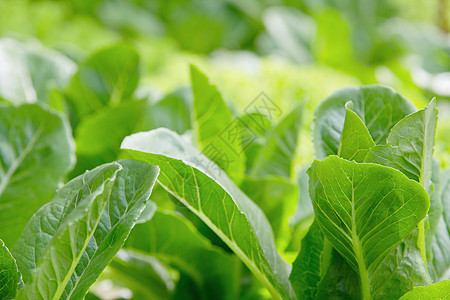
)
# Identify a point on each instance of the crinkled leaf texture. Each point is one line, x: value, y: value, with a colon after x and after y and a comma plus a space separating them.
x: 70, y: 240
x: 365, y: 210
x: 217, y: 201
x: 380, y: 108
x: 9, y: 274
x: 36, y: 151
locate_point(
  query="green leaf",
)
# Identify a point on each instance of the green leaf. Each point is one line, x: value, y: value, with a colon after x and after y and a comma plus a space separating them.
x: 311, y: 263
x: 9, y: 274
x: 216, y: 200
x: 355, y: 138
x: 215, y: 272
x: 414, y: 135
x: 380, y: 108
x: 218, y: 135
x: 365, y: 210
x: 439, y: 266
x: 35, y: 153
x: 108, y: 77
x: 70, y: 240
x: 437, y: 291
x: 29, y: 70
x: 277, y: 155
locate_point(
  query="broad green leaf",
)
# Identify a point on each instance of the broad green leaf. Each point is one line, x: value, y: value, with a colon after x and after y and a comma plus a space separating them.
x: 36, y: 151
x: 30, y: 70
x: 403, y: 266
x: 355, y: 138
x: 213, y: 271
x: 9, y: 274
x: 54, y: 240
x: 439, y: 266
x: 145, y: 275
x: 437, y: 291
x: 412, y: 142
x: 365, y: 210
x: 108, y: 77
x: 380, y: 108
x: 218, y: 135
x: 414, y: 135
x: 311, y: 263
x: 217, y: 201
x: 70, y: 240
x: 277, y: 155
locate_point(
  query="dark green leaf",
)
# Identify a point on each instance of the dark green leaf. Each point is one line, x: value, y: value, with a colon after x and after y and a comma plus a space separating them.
x: 9, y: 274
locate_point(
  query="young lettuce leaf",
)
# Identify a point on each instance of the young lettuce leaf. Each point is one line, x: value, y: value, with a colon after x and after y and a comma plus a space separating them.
x: 36, y: 152
x: 9, y: 274
x: 217, y: 201
x: 365, y: 210
x: 70, y: 240
x: 219, y: 137
x: 380, y: 108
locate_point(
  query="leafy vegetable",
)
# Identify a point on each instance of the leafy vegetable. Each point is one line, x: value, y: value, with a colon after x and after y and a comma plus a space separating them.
x: 70, y: 240
x: 215, y: 199
x: 434, y: 291
x: 35, y: 154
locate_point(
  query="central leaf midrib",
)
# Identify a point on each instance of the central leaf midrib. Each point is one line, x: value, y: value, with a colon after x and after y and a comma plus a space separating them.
x: 363, y: 274
x: 231, y: 243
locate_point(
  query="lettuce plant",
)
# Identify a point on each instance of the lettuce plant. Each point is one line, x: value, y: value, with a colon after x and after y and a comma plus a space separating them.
x: 197, y: 206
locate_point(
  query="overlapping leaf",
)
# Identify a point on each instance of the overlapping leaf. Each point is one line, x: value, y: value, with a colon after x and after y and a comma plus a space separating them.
x: 215, y: 199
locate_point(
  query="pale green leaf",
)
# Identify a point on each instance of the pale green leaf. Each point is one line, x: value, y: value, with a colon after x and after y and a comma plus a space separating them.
x: 437, y: 291
x: 29, y: 71
x: 36, y: 151
x: 355, y: 138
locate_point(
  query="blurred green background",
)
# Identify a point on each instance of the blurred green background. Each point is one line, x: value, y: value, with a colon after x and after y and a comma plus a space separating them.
x: 290, y: 50
x: 118, y: 67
